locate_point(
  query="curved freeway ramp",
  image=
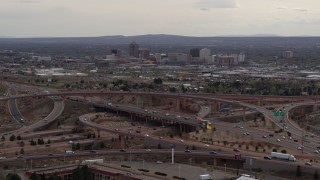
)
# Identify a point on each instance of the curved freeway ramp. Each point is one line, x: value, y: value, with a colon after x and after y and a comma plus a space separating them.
x: 55, y: 113
x: 16, y: 114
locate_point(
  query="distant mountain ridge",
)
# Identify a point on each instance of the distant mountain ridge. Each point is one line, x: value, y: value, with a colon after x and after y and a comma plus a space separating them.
x: 165, y: 39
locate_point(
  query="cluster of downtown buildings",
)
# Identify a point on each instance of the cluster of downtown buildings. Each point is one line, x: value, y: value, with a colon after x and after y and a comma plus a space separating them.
x: 195, y: 56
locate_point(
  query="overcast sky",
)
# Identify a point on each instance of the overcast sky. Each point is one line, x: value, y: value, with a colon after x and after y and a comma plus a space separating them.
x: 60, y: 18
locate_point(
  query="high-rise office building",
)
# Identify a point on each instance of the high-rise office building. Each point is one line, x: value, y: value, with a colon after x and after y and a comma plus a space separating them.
x: 134, y: 49
x: 205, y: 55
x: 195, y: 52
x: 287, y: 54
x: 144, y: 53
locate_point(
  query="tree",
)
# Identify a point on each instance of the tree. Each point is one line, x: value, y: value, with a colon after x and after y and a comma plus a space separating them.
x: 81, y: 173
x: 159, y: 146
x: 35, y: 176
x: 21, y: 151
x: 12, y: 176
x: 3, y: 138
x: 73, y: 147
x: 78, y: 146
x: 298, y: 171
x: 19, y: 137
x: 49, y: 141
x: 316, y: 175
x: 12, y: 137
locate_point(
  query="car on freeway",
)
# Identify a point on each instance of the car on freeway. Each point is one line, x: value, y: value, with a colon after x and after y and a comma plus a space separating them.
x: 283, y: 137
x: 181, y: 140
x: 271, y: 135
x: 178, y: 117
x: 167, y: 114
x: 278, y: 140
x: 122, y: 150
x: 187, y: 151
x: 236, y: 150
x: 316, y: 151
x: 148, y: 150
x: 213, y: 152
x: 50, y: 154
x: 160, y: 137
x: 20, y: 157
x: 2, y: 158
x: 92, y: 151
x: 267, y: 157
x: 308, y: 164
x: 299, y: 148
x: 159, y: 162
x: 147, y: 135
x: 264, y: 136
x: 206, y: 145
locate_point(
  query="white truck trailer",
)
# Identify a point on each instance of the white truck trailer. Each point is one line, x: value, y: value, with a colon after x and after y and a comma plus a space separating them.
x: 283, y: 156
x: 205, y: 177
x: 91, y: 161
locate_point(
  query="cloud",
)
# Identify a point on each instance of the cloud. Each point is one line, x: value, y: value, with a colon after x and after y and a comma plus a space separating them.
x: 205, y: 9
x: 281, y: 8
x: 300, y: 9
x: 209, y: 4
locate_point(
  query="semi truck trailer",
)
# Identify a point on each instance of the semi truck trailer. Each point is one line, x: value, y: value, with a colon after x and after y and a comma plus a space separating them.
x: 283, y: 156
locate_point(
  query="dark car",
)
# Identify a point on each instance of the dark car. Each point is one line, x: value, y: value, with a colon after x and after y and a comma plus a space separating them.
x: 122, y: 150
x: 50, y: 154
x: 92, y: 151
x: 267, y: 157
x: 187, y: 151
x: 213, y: 152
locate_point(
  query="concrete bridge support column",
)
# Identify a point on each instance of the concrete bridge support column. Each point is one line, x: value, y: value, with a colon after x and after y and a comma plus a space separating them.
x: 122, y: 142
x: 215, y: 162
x: 178, y: 105
x: 184, y: 103
x: 98, y: 133
x: 216, y: 107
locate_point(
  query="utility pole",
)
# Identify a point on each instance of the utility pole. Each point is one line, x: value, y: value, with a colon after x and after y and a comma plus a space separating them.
x: 172, y: 154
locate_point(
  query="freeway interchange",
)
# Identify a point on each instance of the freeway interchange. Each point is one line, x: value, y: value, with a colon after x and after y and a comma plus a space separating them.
x: 309, y: 146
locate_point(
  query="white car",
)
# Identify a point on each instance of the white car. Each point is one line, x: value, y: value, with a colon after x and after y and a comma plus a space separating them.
x: 308, y: 164
x: 148, y: 150
x: 159, y: 162
x: 3, y: 158
x: 278, y: 140
x: 316, y: 151
x: 299, y: 148
x: 283, y: 137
